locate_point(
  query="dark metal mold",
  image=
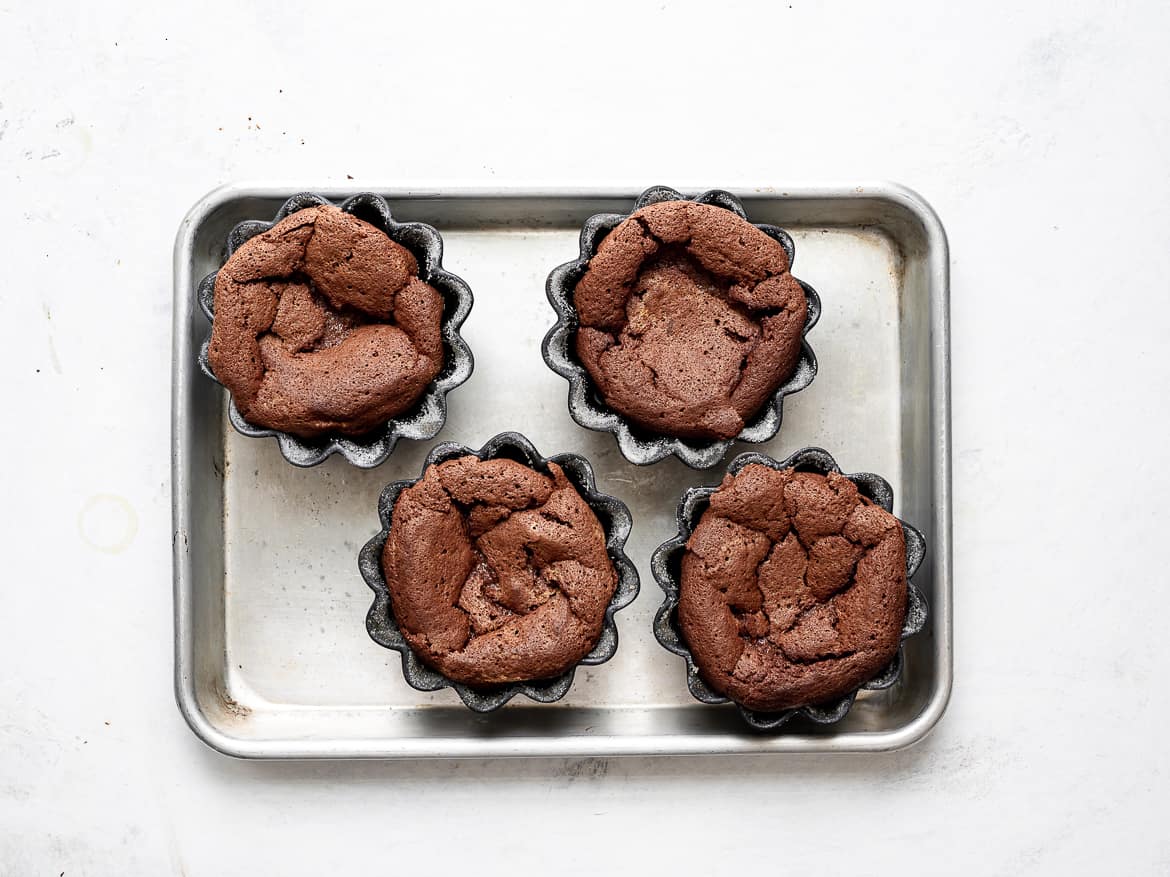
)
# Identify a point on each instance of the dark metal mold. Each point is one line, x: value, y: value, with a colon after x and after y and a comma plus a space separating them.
x: 615, y: 520
x: 426, y: 417
x: 667, y: 557
x: 588, y: 408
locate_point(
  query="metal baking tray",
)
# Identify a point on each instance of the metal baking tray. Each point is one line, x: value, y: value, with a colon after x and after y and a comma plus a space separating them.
x: 272, y: 658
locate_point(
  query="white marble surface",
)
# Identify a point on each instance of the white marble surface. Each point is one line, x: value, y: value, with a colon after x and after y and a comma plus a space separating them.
x: 1040, y: 132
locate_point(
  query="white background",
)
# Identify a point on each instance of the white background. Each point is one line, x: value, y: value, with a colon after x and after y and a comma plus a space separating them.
x: 1040, y: 133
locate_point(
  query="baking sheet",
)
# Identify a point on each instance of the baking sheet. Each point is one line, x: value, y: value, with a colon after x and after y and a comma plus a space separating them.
x: 272, y: 657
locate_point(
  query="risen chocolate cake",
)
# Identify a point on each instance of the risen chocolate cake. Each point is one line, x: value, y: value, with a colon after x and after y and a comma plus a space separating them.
x: 322, y: 325
x: 689, y: 319
x: 496, y: 572
x: 792, y: 588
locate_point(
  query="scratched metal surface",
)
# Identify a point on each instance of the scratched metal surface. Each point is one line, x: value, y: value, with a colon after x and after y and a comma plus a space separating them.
x: 272, y: 657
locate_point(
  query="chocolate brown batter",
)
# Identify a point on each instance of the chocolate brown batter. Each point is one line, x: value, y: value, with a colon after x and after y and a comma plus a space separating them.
x: 322, y: 325
x: 690, y: 319
x: 793, y: 588
x: 496, y: 572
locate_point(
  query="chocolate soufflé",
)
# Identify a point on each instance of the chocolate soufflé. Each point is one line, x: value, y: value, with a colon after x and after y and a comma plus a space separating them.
x: 497, y: 573
x: 792, y: 589
x: 689, y: 319
x: 322, y: 326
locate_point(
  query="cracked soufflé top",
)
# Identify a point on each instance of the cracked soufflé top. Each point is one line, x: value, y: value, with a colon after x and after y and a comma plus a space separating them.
x: 792, y: 589
x: 689, y: 319
x: 497, y: 573
x: 322, y: 325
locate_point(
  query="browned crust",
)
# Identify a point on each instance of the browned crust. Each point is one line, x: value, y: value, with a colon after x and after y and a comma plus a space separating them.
x: 496, y: 572
x: 689, y: 319
x: 793, y: 588
x: 322, y: 325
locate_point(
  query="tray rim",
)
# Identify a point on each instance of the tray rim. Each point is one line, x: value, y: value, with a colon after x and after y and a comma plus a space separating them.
x: 937, y: 260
